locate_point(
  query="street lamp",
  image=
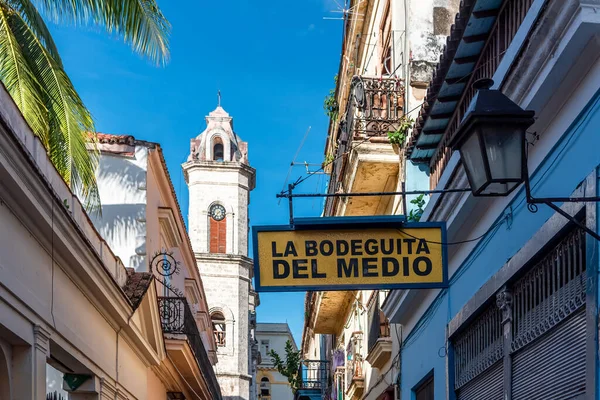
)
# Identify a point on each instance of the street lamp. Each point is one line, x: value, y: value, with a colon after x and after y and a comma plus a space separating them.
x: 491, y: 142
x: 492, y: 145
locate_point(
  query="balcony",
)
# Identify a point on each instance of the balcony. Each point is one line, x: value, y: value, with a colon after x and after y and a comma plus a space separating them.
x: 184, y: 345
x: 355, y: 379
x: 364, y: 159
x: 379, y: 341
x: 314, y: 379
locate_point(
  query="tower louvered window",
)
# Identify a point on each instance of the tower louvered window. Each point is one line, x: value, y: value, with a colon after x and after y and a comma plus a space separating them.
x: 218, y: 229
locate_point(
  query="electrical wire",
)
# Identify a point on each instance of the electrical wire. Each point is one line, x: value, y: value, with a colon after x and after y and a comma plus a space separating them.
x: 492, y: 227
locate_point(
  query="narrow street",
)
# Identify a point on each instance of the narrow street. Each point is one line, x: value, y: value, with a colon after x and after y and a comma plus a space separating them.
x: 406, y: 212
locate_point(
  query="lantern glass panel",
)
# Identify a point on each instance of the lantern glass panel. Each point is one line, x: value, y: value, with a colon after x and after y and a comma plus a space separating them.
x: 503, y: 145
x: 472, y: 158
x: 499, y: 189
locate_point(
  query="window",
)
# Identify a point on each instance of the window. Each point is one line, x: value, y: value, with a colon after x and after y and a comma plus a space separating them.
x: 218, y: 150
x: 385, y: 42
x: 265, y: 386
x: 425, y: 390
x: 219, y: 327
x: 265, y: 348
x: 218, y: 229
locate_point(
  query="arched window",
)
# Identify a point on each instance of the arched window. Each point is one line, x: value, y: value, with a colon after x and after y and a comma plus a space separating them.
x: 218, y: 149
x: 218, y: 229
x: 219, y: 327
x: 265, y: 386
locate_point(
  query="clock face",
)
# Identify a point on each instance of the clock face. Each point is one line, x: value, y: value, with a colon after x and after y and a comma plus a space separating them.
x: 217, y: 212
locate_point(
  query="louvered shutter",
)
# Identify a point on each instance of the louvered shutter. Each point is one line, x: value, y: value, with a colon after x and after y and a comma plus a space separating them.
x: 489, y: 385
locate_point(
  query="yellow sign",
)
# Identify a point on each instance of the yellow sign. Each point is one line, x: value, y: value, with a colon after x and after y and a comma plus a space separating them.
x: 330, y: 257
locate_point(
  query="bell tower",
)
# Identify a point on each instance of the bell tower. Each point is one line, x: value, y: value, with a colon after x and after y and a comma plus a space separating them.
x: 219, y: 178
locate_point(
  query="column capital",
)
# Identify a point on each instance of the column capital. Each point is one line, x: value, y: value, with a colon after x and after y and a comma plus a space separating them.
x: 41, y: 337
x: 504, y: 301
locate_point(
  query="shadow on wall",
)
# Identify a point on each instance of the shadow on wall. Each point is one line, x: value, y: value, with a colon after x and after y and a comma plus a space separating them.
x: 121, y: 178
x: 123, y: 228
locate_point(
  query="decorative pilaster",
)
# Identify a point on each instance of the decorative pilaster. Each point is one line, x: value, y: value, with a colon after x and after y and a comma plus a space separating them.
x: 504, y: 301
x: 41, y: 352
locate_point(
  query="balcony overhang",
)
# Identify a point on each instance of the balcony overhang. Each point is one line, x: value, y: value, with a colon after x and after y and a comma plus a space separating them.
x: 185, y: 362
x: 381, y: 353
x: 356, y: 389
x: 372, y: 167
x: 331, y: 310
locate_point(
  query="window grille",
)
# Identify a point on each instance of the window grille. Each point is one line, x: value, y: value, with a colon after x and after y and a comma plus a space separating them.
x: 551, y: 291
x: 479, y: 347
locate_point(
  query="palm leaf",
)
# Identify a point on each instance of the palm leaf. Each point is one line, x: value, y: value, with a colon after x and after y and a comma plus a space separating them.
x: 19, y: 79
x: 139, y: 22
x: 36, y: 23
x: 69, y: 120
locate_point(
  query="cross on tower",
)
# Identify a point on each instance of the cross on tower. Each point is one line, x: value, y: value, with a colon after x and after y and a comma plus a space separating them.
x: 219, y: 96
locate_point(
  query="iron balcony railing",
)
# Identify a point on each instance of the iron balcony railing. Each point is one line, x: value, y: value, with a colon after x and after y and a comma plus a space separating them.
x: 374, y: 109
x: 314, y: 375
x: 176, y: 318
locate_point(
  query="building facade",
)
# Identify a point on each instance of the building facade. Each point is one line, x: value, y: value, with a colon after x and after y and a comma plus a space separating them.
x: 74, y: 318
x: 220, y: 179
x: 271, y: 384
x: 389, y: 54
x: 519, y: 319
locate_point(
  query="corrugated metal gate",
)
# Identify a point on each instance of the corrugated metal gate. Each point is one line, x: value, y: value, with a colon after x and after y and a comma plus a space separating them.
x: 536, y: 327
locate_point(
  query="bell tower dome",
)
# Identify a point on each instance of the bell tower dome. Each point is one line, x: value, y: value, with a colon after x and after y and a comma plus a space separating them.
x: 219, y: 178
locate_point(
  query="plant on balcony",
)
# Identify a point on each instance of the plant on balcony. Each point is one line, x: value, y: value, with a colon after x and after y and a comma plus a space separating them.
x: 415, y: 214
x: 329, y: 158
x: 290, y: 367
x: 399, y: 136
x: 331, y: 105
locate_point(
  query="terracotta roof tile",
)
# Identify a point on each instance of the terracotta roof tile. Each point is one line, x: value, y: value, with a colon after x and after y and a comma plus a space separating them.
x: 136, y: 286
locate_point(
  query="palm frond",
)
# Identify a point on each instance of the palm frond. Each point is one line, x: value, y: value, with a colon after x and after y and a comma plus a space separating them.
x: 69, y: 120
x: 19, y: 79
x: 36, y: 23
x: 140, y: 22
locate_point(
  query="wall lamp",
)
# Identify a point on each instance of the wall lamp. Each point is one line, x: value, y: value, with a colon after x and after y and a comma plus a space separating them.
x: 493, y: 149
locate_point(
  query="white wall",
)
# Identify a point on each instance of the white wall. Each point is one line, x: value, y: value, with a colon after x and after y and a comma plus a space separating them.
x: 122, y: 185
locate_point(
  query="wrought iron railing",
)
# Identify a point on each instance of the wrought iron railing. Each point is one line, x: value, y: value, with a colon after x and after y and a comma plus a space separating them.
x: 375, y: 107
x: 508, y: 22
x: 176, y: 318
x: 314, y: 374
x: 378, y: 106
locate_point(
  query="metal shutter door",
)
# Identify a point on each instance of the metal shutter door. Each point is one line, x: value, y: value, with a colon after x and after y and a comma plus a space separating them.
x: 552, y: 367
x: 486, y: 386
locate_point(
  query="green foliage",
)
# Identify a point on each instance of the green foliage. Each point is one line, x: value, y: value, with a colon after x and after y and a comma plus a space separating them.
x: 32, y: 72
x: 329, y: 158
x: 399, y: 136
x: 290, y: 367
x: 415, y: 214
x: 331, y: 105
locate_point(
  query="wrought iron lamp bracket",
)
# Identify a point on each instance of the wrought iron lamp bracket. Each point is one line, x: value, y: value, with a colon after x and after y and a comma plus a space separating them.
x: 532, y: 202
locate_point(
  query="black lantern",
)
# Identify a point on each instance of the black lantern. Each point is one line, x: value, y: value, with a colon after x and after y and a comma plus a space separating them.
x: 491, y: 141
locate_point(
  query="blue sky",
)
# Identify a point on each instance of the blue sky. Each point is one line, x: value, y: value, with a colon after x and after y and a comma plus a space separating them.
x: 274, y: 62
